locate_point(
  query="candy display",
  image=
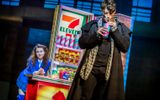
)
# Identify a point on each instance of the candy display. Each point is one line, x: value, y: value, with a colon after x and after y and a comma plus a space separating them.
x: 58, y: 40
x: 68, y: 41
x: 63, y: 40
x: 67, y: 56
x: 71, y: 44
x: 64, y: 45
x: 64, y: 72
x: 76, y: 44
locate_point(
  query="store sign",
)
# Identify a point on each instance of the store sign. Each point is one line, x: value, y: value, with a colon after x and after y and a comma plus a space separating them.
x: 70, y: 24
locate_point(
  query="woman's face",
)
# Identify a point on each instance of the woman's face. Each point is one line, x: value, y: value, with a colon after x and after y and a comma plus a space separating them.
x: 40, y: 53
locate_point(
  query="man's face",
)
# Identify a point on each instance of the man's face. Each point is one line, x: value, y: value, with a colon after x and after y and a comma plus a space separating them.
x: 107, y: 15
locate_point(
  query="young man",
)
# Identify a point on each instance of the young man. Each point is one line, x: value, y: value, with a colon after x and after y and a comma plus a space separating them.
x: 100, y: 74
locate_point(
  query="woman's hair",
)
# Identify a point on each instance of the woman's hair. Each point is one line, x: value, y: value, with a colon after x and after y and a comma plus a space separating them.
x: 33, y: 56
x: 110, y: 5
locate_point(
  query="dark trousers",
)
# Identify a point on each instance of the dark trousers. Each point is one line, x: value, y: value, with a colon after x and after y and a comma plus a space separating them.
x: 93, y: 88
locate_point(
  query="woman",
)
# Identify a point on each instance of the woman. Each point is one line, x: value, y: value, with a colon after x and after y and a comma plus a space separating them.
x: 37, y: 64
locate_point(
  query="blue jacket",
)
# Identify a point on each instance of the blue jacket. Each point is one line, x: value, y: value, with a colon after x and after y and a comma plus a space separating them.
x: 22, y: 79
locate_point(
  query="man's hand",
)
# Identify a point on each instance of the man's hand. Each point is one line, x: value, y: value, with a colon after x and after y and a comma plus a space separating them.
x: 102, y: 30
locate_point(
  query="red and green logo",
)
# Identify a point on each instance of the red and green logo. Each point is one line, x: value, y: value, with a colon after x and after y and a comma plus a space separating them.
x: 73, y: 22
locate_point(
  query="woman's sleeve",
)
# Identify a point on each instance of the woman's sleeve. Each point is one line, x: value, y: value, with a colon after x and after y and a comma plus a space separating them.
x: 121, y: 37
x: 29, y: 69
x: 48, y: 66
x: 89, y: 39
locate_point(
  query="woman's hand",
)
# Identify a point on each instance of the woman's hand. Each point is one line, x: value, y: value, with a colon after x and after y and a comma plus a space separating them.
x: 39, y: 72
x: 36, y: 73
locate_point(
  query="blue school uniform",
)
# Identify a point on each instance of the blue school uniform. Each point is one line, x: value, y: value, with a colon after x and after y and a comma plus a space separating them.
x: 22, y: 79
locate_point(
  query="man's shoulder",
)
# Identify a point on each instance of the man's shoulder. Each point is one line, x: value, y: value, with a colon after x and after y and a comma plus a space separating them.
x: 88, y: 25
x: 91, y: 23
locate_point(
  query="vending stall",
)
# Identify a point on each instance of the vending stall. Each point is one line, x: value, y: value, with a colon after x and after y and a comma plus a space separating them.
x: 65, y: 55
x: 64, y: 49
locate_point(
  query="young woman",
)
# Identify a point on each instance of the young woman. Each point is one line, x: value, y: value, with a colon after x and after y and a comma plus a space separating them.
x: 37, y: 64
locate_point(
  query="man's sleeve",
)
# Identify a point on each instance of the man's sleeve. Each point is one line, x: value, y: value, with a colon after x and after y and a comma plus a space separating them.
x: 89, y: 37
x: 121, y: 37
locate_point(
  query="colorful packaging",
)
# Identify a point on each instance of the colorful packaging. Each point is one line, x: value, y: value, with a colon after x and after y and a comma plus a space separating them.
x: 67, y: 40
x: 76, y: 46
x: 71, y: 43
x: 63, y: 39
x: 58, y: 39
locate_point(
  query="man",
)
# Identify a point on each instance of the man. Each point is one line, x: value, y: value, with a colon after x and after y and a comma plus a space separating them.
x: 100, y: 74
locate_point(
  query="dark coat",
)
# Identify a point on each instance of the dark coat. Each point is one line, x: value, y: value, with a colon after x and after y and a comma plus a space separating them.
x: 88, y: 40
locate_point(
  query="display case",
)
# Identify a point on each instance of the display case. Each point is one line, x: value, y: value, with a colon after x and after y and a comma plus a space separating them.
x: 64, y: 49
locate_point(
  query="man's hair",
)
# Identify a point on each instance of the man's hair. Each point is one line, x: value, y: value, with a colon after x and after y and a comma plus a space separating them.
x: 110, y: 5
